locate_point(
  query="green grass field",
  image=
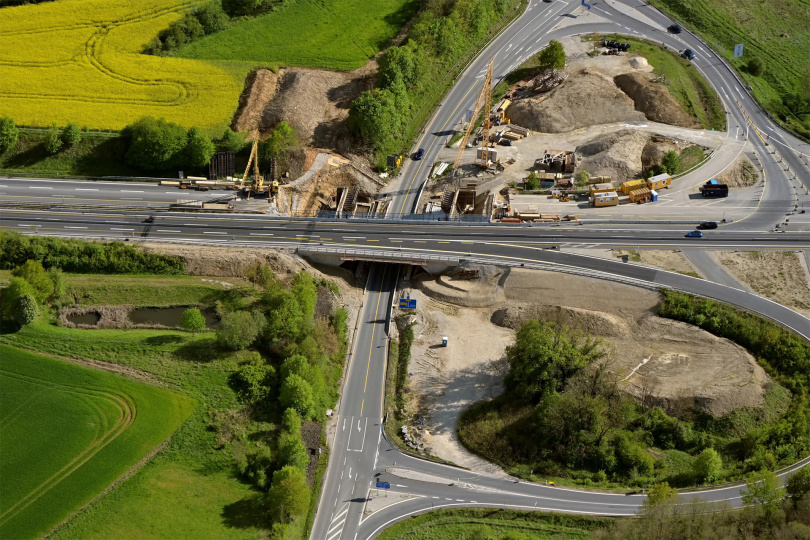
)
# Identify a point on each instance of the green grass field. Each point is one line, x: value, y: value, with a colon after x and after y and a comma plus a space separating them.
x: 776, y: 32
x: 484, y: 523
x: 339, y: 34
x: 69, y: 432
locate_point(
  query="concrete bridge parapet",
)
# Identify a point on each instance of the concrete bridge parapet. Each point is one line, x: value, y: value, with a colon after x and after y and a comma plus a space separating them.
x: 335, y: 256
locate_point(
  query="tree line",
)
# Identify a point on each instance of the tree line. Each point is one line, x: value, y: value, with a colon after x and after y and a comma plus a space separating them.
x: 438, y: 37
x: 289, y: 377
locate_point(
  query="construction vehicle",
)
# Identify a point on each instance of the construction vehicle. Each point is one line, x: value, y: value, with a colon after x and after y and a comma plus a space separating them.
x: 257, y: 186
x: 565, y: 197
x: 483, y: 102
x: 713, y: 188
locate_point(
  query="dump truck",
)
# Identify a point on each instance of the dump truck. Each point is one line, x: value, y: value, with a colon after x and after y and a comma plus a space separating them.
x: 713, y: 188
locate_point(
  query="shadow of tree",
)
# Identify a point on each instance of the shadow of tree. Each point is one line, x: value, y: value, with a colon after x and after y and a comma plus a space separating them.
x: 163, y: 340
x: 246, y: 514
x: 203, y: 350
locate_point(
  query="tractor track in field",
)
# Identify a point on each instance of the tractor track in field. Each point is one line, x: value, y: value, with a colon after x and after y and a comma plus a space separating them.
x: 92, y: 55
x: 127, y: 413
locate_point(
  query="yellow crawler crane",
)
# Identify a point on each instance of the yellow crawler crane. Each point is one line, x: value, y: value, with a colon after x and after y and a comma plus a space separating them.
x: 258, y: 181
x: 484, y: 98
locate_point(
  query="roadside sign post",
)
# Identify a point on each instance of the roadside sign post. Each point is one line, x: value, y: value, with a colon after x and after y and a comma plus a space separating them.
x: 738, y: 51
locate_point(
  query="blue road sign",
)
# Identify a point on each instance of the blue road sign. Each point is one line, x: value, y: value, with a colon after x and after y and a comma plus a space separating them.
x: 407, y: 303
x: 738, y: 50
x: 383, y: 485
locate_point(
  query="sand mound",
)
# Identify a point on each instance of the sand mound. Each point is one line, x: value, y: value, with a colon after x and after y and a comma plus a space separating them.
x: 742, y: 173
x: 586, y: 98
x: 591, y: 322
x: 617, y: 155
x: 316, y: 104
x: 654, y: 100
x: 678, y: 362
x: 260, y: 87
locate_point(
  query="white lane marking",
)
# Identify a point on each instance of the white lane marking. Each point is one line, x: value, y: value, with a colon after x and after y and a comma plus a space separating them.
x: 114, y: 229
x: 309, y: 235
x: 85, y: 189
x: 261, y: 234
x: 356, y: 237
x: 132, y: 198
x: 213, y: 232
x: 131, y: 191
x: 167, y: 230
x: 69, y: 227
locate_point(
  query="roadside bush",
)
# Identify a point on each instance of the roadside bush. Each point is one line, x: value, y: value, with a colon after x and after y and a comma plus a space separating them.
x: 552, y: 56
x: 199, y: 148
x: 9, y: 134
x: 291, y: 449
x: 756, y: 67
x: 708, y: 465
x: 57, y: 278
x: 532, y: 183
x: 71, y: 134
x: 52, y: 142
x: 671, y: 162
x: 231, y: 141
x: 153, y: 144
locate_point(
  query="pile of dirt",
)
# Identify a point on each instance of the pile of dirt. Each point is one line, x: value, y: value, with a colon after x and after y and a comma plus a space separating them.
x: 654, y: 100
x: 778, y: 275
x: 742, y: 173
x: 654, y: 151
x: 260, y: 87
x: 617, y: 155
x: 316, y: 104
x: 586, y: 98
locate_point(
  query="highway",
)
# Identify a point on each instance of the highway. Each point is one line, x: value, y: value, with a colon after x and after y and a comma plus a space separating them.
x: 360, y: 455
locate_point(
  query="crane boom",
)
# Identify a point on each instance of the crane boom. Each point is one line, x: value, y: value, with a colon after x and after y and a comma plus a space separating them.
x: 483, y: 100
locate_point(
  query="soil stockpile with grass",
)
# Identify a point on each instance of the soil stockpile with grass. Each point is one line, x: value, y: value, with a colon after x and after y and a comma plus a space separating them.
x: 654, y: 100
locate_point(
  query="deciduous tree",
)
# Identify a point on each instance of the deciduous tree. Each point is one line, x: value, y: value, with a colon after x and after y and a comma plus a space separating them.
x: 33, y: 272
x: 199, y: 148
x: 289, y: 494
x: 553, y: 56
x: 238, y: 330
x: 707, y: 465
x: 297, y: 394
x: 52, y: 142
x: 71, y: 134
x: 192, y: 320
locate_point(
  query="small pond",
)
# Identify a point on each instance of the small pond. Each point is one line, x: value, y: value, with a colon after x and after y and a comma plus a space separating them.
x: 168, y: 316
x: 88, y: 318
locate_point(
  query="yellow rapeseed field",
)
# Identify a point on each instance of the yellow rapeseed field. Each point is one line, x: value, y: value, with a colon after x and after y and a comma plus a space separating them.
x: 80, y: 61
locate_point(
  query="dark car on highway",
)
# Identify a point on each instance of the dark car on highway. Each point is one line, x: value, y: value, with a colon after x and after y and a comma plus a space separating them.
x: 675, y: 29
x: 688, y: 54
x: 419, y: 154
x: 707, y: 225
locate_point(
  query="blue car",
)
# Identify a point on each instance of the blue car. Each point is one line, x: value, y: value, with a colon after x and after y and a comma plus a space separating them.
x: 694, y: 234
x: 419, y: 154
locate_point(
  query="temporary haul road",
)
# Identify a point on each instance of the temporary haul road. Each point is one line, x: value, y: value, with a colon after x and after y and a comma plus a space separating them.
x: 360, y: 454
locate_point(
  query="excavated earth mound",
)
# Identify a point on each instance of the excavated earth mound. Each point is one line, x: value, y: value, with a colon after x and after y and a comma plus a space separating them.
x: 654, y: 151
x: 316, y: 104
x: 617, y: 155
x: 742, y: 173
x: 654, y: 100
x: 586, y: 98
x: 260, y: 87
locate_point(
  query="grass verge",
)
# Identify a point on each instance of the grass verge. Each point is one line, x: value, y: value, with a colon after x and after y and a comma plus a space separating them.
x: 777, y: 33
x: 481, y: 523
x: 75, y: 432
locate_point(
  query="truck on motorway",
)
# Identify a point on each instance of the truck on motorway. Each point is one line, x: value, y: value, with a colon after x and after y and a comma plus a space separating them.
x: 713, y: 188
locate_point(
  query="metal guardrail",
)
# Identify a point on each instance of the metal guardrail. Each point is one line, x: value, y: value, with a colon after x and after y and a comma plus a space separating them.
x: 393, y: 256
